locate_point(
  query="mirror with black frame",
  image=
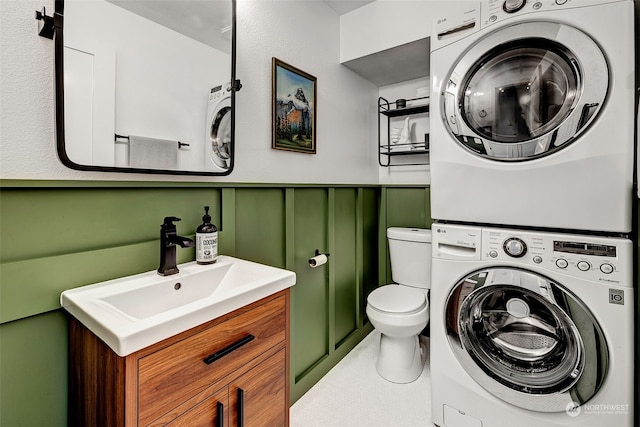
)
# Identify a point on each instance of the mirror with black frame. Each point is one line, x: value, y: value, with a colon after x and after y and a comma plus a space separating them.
x: 145, y: 86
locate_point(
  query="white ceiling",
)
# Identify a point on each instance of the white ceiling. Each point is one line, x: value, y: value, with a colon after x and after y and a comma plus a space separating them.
x: 344, y: 6
x: 204, y: 20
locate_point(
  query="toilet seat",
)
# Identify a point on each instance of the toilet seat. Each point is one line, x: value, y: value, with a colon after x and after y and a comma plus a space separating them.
x: 395, y: 299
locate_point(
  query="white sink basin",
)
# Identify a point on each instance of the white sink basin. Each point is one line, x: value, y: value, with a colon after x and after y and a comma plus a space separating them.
x: 134, y: 312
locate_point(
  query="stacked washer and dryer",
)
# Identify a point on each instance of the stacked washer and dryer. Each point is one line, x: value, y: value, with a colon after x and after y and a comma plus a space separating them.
x: 532, y: 130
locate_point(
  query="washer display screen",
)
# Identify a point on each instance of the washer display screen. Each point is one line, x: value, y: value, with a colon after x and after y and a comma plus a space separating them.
x: 584, y: 248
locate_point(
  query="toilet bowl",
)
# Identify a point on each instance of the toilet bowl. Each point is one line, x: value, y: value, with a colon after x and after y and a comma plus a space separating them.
x: 400, y: 311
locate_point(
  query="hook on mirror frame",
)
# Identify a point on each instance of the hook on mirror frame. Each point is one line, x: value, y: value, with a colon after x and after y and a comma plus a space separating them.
x: 46, y: 27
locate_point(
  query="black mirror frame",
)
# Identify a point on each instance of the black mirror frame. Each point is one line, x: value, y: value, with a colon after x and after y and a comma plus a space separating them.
x: 59, y: 103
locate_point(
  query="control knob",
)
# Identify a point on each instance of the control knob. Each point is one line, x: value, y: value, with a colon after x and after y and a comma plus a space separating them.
x: 512, y: 6
x: 606, y: 268
x: 583, y: 266
x: 515, y: 247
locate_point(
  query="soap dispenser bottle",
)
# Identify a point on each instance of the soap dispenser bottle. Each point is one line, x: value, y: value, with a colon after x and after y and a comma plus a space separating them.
x: 206, y: 240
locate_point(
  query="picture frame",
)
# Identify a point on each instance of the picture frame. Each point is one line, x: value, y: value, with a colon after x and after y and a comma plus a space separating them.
x: 293, y: 108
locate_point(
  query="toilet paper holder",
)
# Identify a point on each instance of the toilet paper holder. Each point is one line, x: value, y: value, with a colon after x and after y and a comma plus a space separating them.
x: 318, y: 260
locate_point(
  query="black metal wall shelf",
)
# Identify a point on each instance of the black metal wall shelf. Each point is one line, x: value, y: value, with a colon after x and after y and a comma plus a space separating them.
x: 405, y: 149
x: 406, y: 111
x: 390, y: 150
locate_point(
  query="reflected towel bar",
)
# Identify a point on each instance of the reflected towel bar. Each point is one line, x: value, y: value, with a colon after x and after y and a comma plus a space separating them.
x: 180, y: 144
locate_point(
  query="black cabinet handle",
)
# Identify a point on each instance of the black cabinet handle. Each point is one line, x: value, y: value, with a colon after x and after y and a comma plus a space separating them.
x: 220, y: 418
x: 217, y: 355
x: 240, y: 407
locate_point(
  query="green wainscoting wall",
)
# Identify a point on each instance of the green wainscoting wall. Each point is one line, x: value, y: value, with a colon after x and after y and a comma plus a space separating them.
x: 59, y: 235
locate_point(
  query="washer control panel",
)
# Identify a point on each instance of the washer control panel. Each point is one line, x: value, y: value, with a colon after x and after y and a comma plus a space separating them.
x: 218, y: 92
x: 494, y: 11
x: 594, y: 258
x: 604, y: 260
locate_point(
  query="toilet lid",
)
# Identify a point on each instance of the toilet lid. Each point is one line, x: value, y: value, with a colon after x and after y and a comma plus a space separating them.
x: 397, y: 299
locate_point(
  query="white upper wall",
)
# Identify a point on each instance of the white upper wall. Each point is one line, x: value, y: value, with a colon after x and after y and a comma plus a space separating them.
x: 303, y: 34
x: 383, y: 24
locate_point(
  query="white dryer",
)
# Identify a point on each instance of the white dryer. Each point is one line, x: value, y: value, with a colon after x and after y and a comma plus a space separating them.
x: 218, y: 134
x: 532, y: 113
x: 531, y: 329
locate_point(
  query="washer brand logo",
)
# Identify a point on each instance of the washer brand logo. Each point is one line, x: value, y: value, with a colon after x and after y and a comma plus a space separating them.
x: 616, y: 296
x: 440, y: 230
x: 573, y: 409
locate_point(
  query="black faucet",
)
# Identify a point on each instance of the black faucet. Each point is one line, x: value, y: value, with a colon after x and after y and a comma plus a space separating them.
x: 168, y: 241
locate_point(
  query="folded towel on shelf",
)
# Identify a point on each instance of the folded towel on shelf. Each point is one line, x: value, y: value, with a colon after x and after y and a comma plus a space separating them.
x: 152, y: 153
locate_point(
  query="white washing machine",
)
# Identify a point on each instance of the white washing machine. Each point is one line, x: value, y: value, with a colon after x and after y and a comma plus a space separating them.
x: 531, y: 329
x: 218, y: 133
x: 532, y: 113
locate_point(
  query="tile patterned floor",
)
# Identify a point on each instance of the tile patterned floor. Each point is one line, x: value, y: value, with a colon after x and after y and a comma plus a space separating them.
x: 352, y: 394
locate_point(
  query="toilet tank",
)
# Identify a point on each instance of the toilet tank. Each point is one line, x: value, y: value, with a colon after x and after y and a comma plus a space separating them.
x: 410, y: 253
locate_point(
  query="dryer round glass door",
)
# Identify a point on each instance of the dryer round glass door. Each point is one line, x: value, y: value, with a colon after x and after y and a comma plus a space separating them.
x: 526, y: 339
x: 220, y: 138
x: 525, y: 91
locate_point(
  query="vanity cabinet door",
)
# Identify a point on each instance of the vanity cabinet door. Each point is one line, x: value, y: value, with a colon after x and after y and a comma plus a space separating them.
x: 210, y: 413
x: 180, y: 372
x: 258, y: 398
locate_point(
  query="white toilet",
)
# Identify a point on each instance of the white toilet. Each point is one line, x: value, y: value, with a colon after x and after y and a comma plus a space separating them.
x: 400, y: 311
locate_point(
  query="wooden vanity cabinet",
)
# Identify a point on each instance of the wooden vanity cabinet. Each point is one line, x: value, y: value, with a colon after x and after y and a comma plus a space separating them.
x: 231, y: 371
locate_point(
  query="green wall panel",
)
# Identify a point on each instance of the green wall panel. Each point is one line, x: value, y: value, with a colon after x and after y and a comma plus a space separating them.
x: 404, y: 207
x: 33, y: 371
x: 43, y: 222
x: 408, y: 207
x: 260, y: 225
x: 370, y: 224
x: 343, y: 262
x: 34, y: 286
x: 310, y: 318
x: 54, y: 239
x: 352, y: 221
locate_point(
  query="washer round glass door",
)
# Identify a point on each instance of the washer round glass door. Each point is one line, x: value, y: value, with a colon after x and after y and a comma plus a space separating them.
x: 526, y: 339
x: 525, y: 91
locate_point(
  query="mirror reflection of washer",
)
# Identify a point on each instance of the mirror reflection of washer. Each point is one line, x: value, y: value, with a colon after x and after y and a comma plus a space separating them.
x: 517, y: 337
x: 218, y: 133
x: 541, y: 92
